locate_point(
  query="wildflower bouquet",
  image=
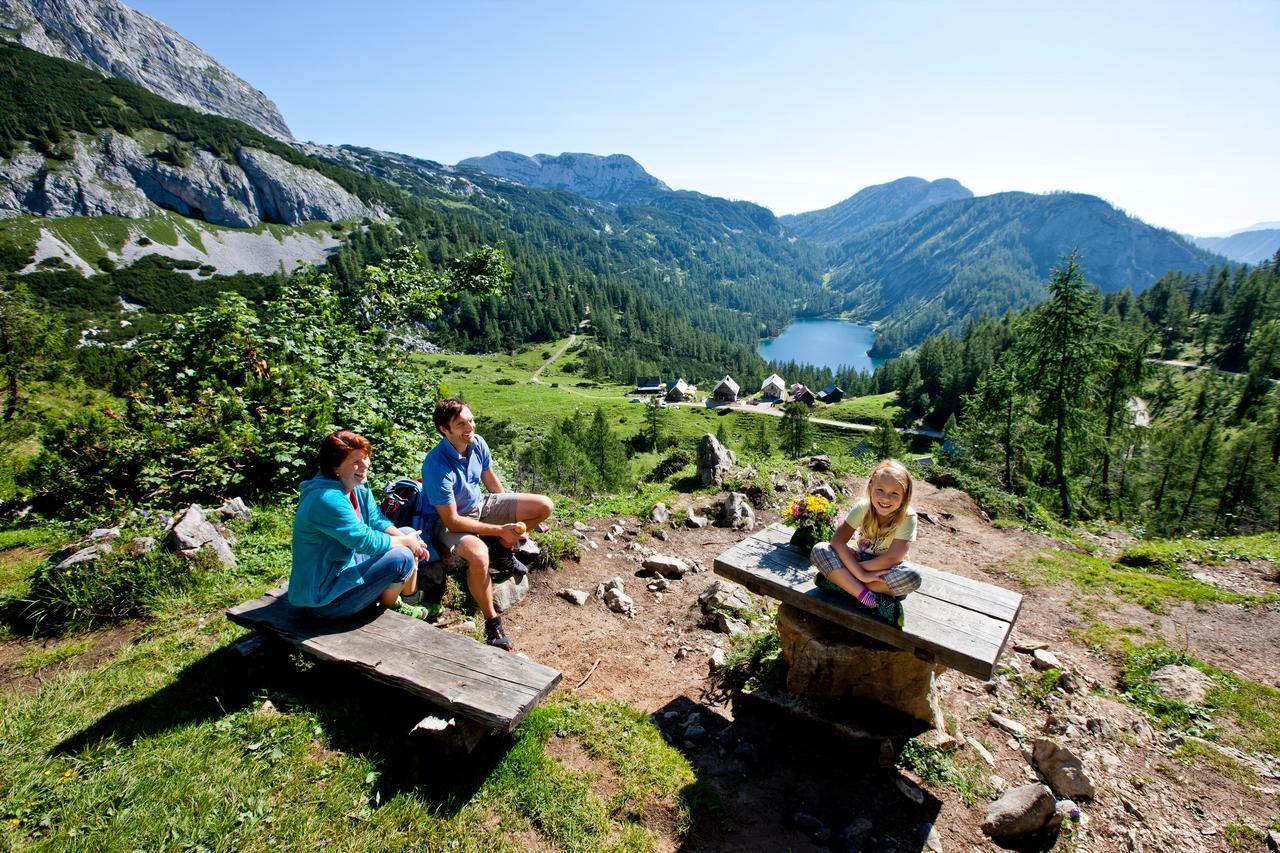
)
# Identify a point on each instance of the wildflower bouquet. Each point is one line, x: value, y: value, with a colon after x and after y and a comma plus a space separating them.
x: 813, y: 517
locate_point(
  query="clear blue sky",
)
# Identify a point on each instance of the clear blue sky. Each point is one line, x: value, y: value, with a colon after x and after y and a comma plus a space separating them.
x: 1167, y: 109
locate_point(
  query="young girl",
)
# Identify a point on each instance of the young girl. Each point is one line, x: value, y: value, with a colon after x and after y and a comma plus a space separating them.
x: 873, y: 570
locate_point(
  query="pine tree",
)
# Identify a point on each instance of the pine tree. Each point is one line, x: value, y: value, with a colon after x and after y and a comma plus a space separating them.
x: 795, y: 429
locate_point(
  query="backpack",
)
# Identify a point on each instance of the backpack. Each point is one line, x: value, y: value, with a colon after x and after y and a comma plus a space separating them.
x: 402, y: 504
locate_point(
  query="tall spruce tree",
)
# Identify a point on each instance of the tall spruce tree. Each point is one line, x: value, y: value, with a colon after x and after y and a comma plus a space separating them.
x: 795, y: 429
x: 1062, y: 358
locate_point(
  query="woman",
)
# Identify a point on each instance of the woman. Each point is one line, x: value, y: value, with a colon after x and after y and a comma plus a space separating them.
x: 346, y: 555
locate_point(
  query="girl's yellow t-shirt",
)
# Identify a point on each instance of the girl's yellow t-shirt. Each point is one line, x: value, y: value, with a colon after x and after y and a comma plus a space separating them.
x: 906, y: 529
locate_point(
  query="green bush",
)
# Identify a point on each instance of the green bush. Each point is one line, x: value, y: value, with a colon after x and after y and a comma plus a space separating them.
x: 115, y: 588
x: 556, y: 546
x: 675, y: 461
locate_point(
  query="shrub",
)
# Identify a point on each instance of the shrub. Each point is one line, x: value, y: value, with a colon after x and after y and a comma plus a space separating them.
x: 673, y: 462
x: 556, y: 546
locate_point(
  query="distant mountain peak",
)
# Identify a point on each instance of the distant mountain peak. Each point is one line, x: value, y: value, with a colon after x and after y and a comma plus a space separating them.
x: 117, y: 41
x: 874, y: 205
x: 616, y: 178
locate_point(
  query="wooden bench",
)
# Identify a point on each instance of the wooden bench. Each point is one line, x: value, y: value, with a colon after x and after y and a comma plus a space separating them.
x: 951, y: 620
x: 461, y: 676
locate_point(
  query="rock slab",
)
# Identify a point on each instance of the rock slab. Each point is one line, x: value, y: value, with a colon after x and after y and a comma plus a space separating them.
x: 1020, y: 811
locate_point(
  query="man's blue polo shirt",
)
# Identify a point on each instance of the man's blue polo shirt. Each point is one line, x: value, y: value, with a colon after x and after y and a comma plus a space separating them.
x: 452, y: 478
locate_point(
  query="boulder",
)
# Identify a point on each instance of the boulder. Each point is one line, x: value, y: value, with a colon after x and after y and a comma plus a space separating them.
x: 723, y: 595
x: 1183, y: 683
x: 714, y: 461
x: 573, y: 596
x: 826, y: 661
x: 823, y: 490
x: 660, y: 514
x: 233, y: 508
x: 1062, y: 770
x: 736, y: 512
x: 140, y: 545
x: 192, y: 532
x: 507, y: 593
x: 619, y: 602
x: 668, y: 567
x: 1020, y: 811
x: 92, y: 554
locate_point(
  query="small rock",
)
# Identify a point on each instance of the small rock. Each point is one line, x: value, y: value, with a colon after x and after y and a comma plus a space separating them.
x: 266, y: 709
x: 104, y: 534
x: 1069, y: 682
x: 939, y: 739
x: 998, y: 783
x: 1026, y: 645
x: 723, y: 595
x: 888, y: 755
x: 1044, y: 659
x: 911, y: 792
x: 982, y: 751
x: 726, y: 624
x: 682, y: 653
x: 1101, y: 727
x: 852, y: 834
x: 140, y: 545
x: 660, y: 514
x: 661, y: 534
x: 668, y: 567
x: 1063, y: 810
x: 1055, y: 725
x: 820, y: 462
x: 619, y: 602
x: 593, y: 545
x: 746, y: 752
x: 617, y: 530
x: 92, y: 554
x: 1273, y: 841
x: 574, y: 596
x: 695, y: 520
x: 614, y: 583
x: 717, y: 660
x: 659, y: 585
x: 811, y: 826
x: 192, y: 532
x: 824, y: 491
x: 609, y: 537
x: 1013, y: 727
x: 510, y: 592
x: 1019, y: 811
x: 233, y: 508
x: 1183, y: 683
x: 1062, y: 770
x: 929, y: 834
x: 737, y: 513
x: 695, y: 733
x: 582, y: 528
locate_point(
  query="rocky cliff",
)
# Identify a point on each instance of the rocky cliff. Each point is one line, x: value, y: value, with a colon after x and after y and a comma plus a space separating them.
x: 111, y: 38
x: 617, y: 178
x: 111, y: 174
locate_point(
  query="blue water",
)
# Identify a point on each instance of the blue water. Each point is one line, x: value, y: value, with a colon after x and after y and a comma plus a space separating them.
x: 825, y: 343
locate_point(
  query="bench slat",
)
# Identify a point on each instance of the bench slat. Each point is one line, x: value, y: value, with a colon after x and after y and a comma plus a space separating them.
x: 462, y: 676
x: 958, y: 622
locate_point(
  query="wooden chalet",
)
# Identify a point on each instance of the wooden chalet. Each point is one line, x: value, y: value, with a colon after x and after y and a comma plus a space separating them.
x: 801, y: 394
x: 649, y: 385
x: 831, y: 394
x: 678, y: 391
x: 775, y: 386
x: 726, y: 391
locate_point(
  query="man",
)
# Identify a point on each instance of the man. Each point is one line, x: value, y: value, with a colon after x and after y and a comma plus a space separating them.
x: 452, y: 473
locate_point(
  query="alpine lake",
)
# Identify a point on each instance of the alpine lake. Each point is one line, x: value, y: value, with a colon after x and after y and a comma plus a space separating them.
x: 823, y: 343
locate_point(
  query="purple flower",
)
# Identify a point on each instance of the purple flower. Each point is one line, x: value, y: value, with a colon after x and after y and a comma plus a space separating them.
x: 1075, y: 813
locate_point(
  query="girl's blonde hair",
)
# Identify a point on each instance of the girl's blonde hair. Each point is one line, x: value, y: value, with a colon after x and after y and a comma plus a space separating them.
x: 874, y: 527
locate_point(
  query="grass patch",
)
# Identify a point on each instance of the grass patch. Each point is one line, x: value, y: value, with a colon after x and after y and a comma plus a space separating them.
x: 940, y: 770
x: 754, y: 662
x: 1242, y: 837
x: 22, y: 549
x: 1152, y: 591
x: 557, y: 545
x: 1168, y: 556
x: 36, y: 661
x: 870, y: 409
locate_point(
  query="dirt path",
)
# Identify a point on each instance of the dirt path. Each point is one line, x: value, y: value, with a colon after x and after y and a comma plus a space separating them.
x: 777, y: 413
x: 537, y: 373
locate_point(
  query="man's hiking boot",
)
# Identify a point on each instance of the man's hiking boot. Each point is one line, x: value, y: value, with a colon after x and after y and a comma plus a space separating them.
x: 495, y: 634
x: 502, y: 560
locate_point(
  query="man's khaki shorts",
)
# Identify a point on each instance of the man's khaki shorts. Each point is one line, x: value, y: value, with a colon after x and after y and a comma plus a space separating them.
x: 492, y: 509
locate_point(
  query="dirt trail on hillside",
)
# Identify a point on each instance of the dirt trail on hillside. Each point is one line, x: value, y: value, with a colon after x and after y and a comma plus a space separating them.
x: 658, y: 661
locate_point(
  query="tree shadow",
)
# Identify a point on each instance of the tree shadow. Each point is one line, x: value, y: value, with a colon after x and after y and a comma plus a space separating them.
x: 359, y: 716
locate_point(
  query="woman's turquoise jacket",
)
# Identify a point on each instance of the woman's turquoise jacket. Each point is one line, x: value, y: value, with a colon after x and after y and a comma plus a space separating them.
x: 328, y: 536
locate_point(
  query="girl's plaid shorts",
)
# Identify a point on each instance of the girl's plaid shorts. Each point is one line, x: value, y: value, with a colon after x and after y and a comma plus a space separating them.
x: 901, y: 579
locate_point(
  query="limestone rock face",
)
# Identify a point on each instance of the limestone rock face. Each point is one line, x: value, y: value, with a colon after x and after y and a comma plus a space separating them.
x: 825, y: 661
x: 117, y: 41
x: 616, y: 178
x: 111, y: 175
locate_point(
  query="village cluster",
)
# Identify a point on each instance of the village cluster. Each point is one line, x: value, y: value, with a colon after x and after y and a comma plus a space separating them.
x: 773, y: 391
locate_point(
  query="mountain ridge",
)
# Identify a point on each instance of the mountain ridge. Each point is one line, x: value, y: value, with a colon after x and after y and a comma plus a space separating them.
x: 871, y: 206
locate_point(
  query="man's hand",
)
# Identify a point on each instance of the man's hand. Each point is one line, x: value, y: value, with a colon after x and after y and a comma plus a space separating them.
x: 510, y: 534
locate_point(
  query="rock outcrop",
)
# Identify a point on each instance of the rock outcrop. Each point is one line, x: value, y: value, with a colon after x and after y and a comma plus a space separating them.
x: 112, y: 175
x: 616, y: 178
x: 117, y: 41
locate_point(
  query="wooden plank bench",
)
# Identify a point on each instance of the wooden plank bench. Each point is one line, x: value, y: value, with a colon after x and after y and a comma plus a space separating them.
x: 459, y: 675
x: 951, y: 620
